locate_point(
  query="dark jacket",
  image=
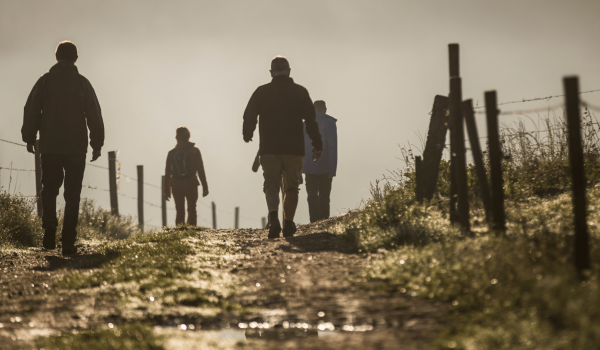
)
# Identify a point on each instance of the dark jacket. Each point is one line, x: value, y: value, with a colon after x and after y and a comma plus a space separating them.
x: 282, y: 105
x: 62, y: 105
x: 196, y: 166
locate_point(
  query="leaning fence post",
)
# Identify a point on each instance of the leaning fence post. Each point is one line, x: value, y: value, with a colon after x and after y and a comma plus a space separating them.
x: 578, y: 181
x: 491, y: 111
x: 264, y: 222
x: 38, y: 177
x: 454, y: 61
x: 237, y: 218
x: 459, y: 153
x: 467, y: 108
x: 214, y: 215
x: 163, y: 201
x: 112, y: 179
x: 434, y: 146
x: 140, y: 181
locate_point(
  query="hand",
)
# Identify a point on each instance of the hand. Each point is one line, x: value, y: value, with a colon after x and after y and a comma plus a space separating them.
x: 316, y: 155
x: 31, y: 148
x: 204, y: 192
x: 247, y: 139
x: 167, y: 194
x: 331, y: 177
x: 96, y: 154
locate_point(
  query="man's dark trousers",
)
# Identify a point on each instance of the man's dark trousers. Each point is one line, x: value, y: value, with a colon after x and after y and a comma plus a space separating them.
x: 55, y: 169
x: 318, y: 188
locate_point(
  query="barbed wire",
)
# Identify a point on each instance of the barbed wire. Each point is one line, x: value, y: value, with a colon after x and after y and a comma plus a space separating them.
x: 15, y: 169
x: 547, y: 98
x: 14, y: 143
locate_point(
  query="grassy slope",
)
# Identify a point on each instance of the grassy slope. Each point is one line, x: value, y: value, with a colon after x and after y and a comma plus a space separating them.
x: 518, y: 292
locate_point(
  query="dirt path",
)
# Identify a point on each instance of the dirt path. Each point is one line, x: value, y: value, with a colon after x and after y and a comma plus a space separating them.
x: 306, y: 285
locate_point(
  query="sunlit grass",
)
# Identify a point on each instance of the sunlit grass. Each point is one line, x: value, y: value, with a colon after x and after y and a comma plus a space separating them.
x: 158, y: 270
x: 518, y: 292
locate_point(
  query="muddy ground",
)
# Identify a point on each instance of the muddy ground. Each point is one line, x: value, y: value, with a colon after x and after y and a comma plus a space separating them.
x: 308, y: 285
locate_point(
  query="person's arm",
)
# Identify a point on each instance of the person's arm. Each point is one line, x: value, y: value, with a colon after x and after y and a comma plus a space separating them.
x: 93, y: 116
x: 251, y: 116
x: 32, y: 115
x: 202, y: 175
x: 331, y: 131
x: 310, y: 120
x: 168, y: 177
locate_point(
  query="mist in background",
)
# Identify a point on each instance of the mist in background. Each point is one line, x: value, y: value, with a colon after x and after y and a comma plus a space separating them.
x: 157, y: 65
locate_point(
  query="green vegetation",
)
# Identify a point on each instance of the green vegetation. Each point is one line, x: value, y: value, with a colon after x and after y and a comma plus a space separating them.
x: 21, y: 227
x: 135, y: 336
x: 159, y: 270
x: 515, y: 292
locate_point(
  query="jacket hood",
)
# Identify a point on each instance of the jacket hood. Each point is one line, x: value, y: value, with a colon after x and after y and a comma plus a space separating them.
x: 326, y: 116
x: 185, y: 145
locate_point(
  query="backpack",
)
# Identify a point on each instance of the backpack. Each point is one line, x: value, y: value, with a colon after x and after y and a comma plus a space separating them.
x: 181, y: 165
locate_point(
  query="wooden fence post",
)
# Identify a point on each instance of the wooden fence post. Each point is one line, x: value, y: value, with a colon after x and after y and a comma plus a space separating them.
x: 434, y: 146
x: 237, y: 218
x: 454, y: 61
x: 214, y: 215
x: 38, y: 177
x: 264, y: 222
x: 112, y: 179
x: 581, y: 249
x: 491, y: 111
x: 140, y: 196
x: 163, y: 201
x: 419, y: 179
x: 459, y: 153
x: 467, y: 108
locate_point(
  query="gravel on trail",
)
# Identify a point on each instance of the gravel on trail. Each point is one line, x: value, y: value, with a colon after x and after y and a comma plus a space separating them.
x: 305, y: 292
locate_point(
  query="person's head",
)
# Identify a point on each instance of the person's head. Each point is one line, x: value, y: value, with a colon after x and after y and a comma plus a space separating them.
x: 280, y: 66
x: 66, y: 51
x: 320, y: 106
x: 182, y: 134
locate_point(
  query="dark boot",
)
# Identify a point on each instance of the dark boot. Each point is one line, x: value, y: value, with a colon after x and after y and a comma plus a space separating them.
x: 289, y: 228
x: 275, y: 228
x: 50, y: 237
x: 69, y: 250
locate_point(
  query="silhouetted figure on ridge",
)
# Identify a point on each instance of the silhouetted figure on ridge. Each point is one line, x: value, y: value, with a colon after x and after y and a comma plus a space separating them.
x: 184, y: 167
x: 319, y: 174
x: 62, y: 105
x: 282, y: 106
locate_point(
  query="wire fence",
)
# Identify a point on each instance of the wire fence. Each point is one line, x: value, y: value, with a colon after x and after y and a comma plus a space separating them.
x: 122, y: 194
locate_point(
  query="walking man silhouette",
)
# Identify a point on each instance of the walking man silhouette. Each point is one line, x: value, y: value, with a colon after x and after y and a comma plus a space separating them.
x: 62, y: 106
x: 319, y: 174
x: 184, y: 166
x: 282, y: 106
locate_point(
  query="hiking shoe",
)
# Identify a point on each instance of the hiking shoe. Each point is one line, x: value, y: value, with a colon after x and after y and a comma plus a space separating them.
x: 69, y: 250
x: 50, y: 237
x: 289, y: 228
x: 275, y: 228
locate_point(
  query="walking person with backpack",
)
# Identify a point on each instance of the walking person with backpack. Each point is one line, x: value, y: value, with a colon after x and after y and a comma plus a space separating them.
x: 319, y: 175
x: 184, y: 167
x: 282, y: 106
x: 62, y: 106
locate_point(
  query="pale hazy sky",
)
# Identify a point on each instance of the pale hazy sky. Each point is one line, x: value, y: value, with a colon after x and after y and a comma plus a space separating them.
x: 156, y: 65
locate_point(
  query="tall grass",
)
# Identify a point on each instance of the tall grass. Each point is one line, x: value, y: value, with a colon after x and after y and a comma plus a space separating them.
x: 19, y: 225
